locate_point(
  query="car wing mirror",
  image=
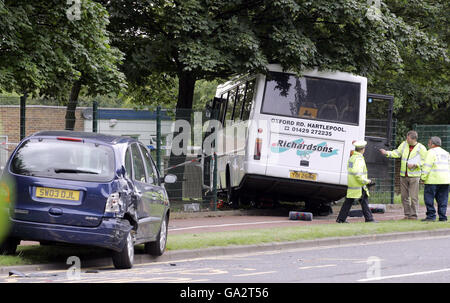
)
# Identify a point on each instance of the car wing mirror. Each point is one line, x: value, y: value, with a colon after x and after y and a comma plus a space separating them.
x: 170, y: 178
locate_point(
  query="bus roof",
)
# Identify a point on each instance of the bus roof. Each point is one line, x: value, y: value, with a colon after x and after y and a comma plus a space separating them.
x: 337, y: 75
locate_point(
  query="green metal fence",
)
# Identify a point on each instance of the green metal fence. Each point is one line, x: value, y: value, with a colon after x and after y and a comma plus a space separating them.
x: 156, y: 128
x: 427, y: 131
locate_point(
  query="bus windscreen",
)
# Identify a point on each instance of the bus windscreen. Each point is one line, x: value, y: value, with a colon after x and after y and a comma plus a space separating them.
x: 311, y: 98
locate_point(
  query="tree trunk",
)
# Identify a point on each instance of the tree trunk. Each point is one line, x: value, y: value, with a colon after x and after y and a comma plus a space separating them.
x: 183, y: 112
x: 72, y: 105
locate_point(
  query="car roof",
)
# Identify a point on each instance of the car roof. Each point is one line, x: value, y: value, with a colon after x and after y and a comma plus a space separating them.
x: 108, y: 139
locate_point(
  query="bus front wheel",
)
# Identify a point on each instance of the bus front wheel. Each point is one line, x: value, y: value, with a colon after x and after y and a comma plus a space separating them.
x: 232, y: 197
x: 318, y: 208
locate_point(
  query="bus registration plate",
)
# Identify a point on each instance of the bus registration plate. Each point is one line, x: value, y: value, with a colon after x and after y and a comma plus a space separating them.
x: 303, y: 175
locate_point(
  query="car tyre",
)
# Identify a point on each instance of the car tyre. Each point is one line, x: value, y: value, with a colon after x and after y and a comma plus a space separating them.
x: 9, y: 246
x: 125, y: 258
x: 157, y: 248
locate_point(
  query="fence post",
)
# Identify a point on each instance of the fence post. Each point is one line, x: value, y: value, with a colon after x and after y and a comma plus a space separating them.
x: 394, y: 131
x: 94, y: 117
x: 23, y: 100
x: 214, y: 185
x: 158, y: 137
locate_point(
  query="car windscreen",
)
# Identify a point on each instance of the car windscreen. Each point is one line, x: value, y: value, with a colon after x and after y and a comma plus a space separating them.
x: 68, y: 160
x: 311, y: 98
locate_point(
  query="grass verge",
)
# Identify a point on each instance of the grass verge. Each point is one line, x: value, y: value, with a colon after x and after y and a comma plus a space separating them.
x: 283, y: 234
x: 58, y: 254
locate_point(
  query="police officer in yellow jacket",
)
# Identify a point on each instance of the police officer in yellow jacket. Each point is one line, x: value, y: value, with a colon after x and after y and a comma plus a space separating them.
x: 412, y: 154
x: 357, y: 182
x: 436, y: 175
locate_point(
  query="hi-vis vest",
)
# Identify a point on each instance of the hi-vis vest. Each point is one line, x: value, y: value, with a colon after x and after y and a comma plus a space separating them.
x: 356, y: 176
x: 418, y: 153
x: 436, y: 169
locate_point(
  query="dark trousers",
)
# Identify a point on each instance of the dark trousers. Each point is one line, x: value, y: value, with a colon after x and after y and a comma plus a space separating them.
x: 440, y: 193
x: 364, y: 201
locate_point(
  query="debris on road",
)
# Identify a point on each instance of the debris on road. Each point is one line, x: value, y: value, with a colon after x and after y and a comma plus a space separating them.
x: 297, y: 215
x: 377, y: 208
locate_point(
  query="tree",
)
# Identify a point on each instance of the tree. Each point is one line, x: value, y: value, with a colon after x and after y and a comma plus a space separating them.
x: 46, y: 53
x: 206, y: 39
x: 422, y: 87
x: 96, y: 61
x: 203, y: 39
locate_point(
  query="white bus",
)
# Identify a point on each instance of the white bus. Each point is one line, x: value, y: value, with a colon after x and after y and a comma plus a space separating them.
x: 287, y: 138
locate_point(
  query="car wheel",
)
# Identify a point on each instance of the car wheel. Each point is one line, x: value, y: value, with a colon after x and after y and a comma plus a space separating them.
x: 9, y: 246
x: 125, y: 258
x: 158, y: 247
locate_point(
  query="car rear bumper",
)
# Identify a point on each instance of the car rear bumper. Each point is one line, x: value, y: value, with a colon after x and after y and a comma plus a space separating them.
x: 110, y: 234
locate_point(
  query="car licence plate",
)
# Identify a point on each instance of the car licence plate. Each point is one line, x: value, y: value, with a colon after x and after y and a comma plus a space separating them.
x: 56, y: 193
x: 303, y: 175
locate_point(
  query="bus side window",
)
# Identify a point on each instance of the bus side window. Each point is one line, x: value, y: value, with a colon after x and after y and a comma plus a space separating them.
x: 248, y: 100
x: 223, y: 106
x: 239, y: 101
x: 230, y: 106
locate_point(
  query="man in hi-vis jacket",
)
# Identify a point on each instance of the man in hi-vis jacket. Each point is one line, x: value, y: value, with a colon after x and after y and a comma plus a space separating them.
x: 357, y: 182
x: 412, y: 154
x: 436, y: 175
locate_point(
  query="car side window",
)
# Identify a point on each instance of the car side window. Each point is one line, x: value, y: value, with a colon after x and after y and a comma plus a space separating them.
x: 151, y: 173
x: 128, y: 165
x: 138, y: 164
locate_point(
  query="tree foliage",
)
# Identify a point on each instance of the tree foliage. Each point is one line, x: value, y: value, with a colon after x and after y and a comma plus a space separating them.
x: 43, y: 52
x: 204, y: 39
x: 422, y: 86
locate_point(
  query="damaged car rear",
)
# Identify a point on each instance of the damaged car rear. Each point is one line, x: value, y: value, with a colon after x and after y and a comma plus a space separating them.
x: 87, y: 189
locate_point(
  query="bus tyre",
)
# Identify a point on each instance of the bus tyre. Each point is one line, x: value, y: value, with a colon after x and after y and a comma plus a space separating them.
x: 312, y: 207
x: 325, y: 209
x: 355, y: 213
x: 124, y: 259
x: 232, y: 197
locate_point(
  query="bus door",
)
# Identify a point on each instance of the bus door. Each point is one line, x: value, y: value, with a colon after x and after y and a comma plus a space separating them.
x: 213, y: 112
x: 379, y: 134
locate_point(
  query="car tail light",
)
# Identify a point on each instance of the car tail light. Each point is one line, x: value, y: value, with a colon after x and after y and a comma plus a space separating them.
x: 258, y: 146
x: 70, y: 139
x: 114, y: 204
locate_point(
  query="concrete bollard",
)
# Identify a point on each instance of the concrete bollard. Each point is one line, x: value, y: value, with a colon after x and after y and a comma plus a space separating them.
x: 377, y: 208
x: 297, y: 215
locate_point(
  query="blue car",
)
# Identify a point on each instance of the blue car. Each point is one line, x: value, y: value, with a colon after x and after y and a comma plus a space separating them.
x: 87, y: 189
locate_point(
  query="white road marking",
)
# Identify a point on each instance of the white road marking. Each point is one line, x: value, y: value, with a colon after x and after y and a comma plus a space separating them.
x: 230, y: 224
x: 255, y: 274
x: 318, y: 266
x: 405, y: 275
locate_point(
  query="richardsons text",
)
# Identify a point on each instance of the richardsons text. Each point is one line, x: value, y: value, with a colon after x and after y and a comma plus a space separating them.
x: 303, y: 146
